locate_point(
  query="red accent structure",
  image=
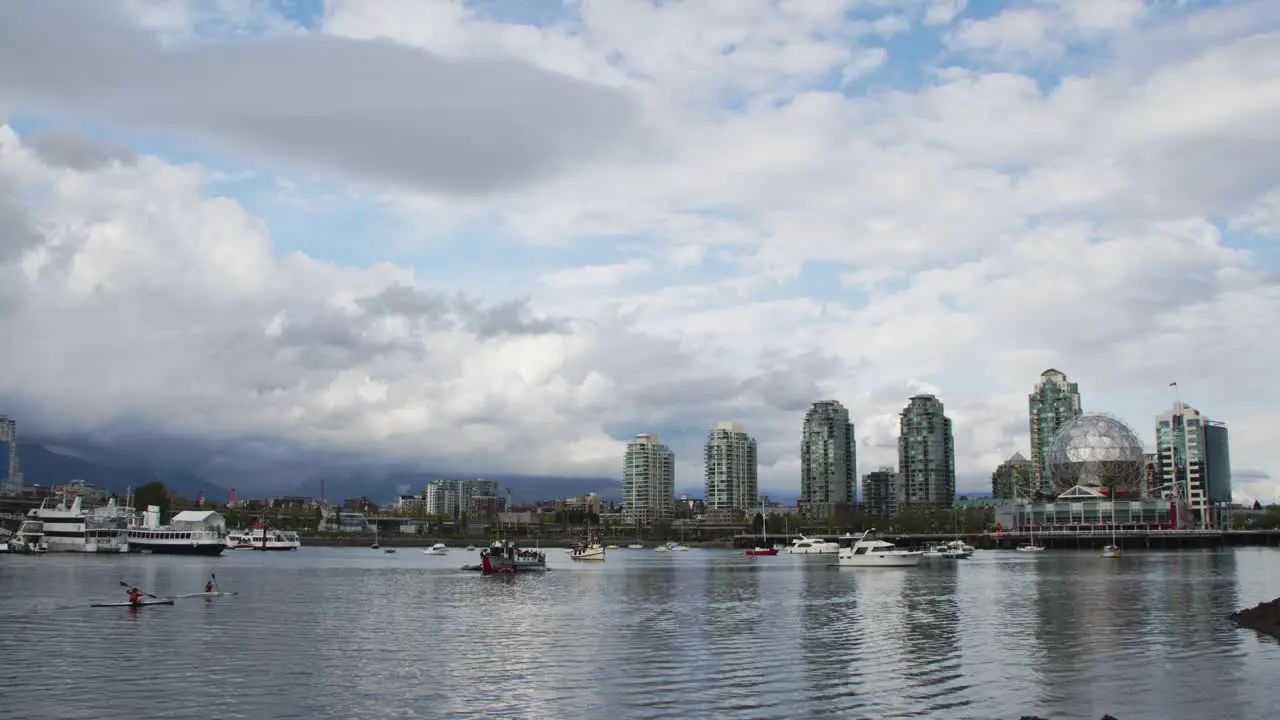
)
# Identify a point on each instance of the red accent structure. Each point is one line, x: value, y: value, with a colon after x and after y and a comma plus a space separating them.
x: 762, y: 551
x: 485, y: 567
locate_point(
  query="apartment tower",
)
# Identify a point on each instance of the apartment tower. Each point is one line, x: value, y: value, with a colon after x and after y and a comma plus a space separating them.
x: 828, y: 461
x: 731, y: 468
x: 926, y: 455
x: 1053, y: 403
x: 648, y: 481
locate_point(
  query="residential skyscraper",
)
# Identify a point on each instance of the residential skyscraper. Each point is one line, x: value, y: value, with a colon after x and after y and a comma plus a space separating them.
x: 828, y: 460
x: 926, y: 455
x: 1012, y: 478
x: 1054, y: 403
x: 648, y: 481
x: 731, y: 469
x: 1195, y: 461
x: 10, y: 472
x: 879, y: 492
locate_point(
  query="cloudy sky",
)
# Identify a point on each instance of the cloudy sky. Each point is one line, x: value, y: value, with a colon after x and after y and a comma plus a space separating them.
x: 507, y: 235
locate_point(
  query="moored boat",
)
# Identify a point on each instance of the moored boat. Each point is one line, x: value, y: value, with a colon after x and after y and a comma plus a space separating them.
x: 262, y: 537
x: 72, y: 529
x: 504, y: 558
x: 191, y: 532
x: 437, y: 549
x: 868, y: 552
x: 813, y: 546
x: 29, y: 539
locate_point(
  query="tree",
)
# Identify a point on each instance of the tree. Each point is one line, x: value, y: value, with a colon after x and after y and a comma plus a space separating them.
x: 153, y: 493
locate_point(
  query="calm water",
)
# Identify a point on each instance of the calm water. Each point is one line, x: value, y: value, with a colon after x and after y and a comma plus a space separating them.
x: 351, y: 633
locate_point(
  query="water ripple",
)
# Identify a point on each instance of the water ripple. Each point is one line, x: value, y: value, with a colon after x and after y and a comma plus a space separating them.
x: 346, y: 633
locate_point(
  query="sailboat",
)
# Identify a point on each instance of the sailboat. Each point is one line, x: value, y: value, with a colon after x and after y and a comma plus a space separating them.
x: 375, y: 544
x: 763, y: 548
x: 1031, y: 546
x: 1112, y: 550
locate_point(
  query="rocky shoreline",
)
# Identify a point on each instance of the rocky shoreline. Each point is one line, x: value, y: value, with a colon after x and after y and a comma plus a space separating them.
x: 1263, y: 617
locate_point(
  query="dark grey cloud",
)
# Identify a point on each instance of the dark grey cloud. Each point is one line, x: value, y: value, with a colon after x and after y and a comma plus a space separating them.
x: 1249, y: 475
x: 77, y: 151
x: 373, y: 109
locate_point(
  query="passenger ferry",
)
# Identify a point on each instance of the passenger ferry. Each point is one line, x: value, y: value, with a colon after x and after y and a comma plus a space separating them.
x: 263, y: 538
x: 191, y: 532
x: 71, y: 529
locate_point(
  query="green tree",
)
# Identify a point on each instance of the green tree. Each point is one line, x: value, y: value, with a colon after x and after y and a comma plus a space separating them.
x: 153, y: 493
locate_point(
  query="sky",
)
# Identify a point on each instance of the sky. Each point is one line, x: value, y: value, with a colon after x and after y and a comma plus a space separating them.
x: 507, y: 236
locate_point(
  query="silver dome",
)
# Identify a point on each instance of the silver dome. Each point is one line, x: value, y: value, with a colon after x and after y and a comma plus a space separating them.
x: 1097, y: 451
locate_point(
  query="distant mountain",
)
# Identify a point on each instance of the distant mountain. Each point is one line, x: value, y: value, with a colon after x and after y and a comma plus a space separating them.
x: 382, y: 487
x: 42, y: 466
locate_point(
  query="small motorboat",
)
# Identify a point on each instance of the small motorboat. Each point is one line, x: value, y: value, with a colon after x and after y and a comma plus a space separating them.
x: 757, y: 551
x: 437, y: 549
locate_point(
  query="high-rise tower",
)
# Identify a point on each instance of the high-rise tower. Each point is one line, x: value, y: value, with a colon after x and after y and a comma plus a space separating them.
x: 1195, y: 461
x: 1054, y: 403
x: 648, y: 481
x: 10, y: 471
x: 828, y: 460
x: 926, y: 455
x: 731, y: 469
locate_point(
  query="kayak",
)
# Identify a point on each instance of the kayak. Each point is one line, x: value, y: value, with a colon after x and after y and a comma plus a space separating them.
x: 217, y: 593
x: 126, y: 603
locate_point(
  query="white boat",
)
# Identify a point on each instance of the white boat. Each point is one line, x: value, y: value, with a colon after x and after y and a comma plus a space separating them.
x: 813, y: 546
x: 437, y: 549
x: 665, y: 547
x: 867, y: 552
x: 635, y: 546
x: 589, y: 551
x: 1031, y: 545
x: 471, y: 548
x: 1112, y: 550
x: 29, y: 539
x: 71, y: 529
x: 191, y: 532
x: 263, y: 538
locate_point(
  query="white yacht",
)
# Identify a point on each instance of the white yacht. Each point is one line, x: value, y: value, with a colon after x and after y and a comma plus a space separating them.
x: 953, y: 550
x: 191, y: 532
x: 813, y: 546
x: 29, y: 539
x: 262, y: 537
x: 71, y: 529
x: 437, y: 549
x: 866, y: 552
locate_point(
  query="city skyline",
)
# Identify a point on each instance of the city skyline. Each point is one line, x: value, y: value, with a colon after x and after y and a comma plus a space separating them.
x: 644, y: 219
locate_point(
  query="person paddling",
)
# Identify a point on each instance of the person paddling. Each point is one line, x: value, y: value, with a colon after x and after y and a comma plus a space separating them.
x: 134, y: 595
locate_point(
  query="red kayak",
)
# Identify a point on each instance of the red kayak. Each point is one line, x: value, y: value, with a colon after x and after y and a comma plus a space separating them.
x: 762, y: 551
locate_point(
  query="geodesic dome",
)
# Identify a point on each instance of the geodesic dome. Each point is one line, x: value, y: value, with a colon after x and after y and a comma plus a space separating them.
x: 1096, y: 451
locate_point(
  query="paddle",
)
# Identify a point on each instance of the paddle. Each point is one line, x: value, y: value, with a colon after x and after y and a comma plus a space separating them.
x: 125, y: 584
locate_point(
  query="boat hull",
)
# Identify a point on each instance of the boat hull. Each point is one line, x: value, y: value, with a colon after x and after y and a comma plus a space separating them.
x: 126, y: 603
x: 880, y: 560
x: 206, y: 549
x: 762, y: 551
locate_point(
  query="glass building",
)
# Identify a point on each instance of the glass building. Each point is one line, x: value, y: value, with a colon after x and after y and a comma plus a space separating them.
x: 1194, y: 461
x: 926, y: 455
x: 879, y: 492
x: 828, y: 461
x: 730, y: 468
x: 1052, y: 404
x: 1013, y: 478
x: 648, y: 481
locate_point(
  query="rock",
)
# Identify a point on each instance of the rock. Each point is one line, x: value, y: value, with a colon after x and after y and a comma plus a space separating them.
x: 1263, y: 617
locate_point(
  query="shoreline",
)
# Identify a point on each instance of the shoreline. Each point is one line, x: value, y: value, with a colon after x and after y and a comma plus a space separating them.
x: 455, y: 543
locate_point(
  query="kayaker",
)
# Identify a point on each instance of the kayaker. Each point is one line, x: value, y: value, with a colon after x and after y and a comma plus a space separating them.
x: 208, y: 586
x: 134, y: 595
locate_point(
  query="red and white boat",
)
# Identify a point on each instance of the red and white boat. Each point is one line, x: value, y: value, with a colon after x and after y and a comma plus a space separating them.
x: 762, y: 551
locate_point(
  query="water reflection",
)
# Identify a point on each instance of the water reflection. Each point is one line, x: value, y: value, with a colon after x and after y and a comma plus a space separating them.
x: 833, y: 628
x: 932, y: 617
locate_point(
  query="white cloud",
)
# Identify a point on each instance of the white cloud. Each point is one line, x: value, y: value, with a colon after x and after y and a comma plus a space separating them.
x: 988, y: 225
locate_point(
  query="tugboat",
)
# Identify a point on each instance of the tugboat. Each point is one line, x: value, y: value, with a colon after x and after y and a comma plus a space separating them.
x: 504, y: 558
